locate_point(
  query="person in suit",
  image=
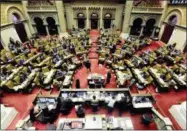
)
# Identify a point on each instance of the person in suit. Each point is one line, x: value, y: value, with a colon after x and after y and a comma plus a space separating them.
x: 94, y: 104
x: 79, y: 110
x: 32, y: 115
x: 78, y: 84
x: 108, y: 77
x: 88, y: 65
x: 114, y: 48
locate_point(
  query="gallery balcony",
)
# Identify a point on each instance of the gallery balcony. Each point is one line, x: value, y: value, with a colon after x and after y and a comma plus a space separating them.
x: 43, y: 8
x: 147, y: 10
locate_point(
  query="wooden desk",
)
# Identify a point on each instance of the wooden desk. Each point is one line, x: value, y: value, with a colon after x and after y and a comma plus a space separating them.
x: 163, y: 86
x: 94, y: 122
x: 26, y: 82
x: 50, y: 76
x: 32, y: 58
x: 11, y: 76
x: 139, y: 77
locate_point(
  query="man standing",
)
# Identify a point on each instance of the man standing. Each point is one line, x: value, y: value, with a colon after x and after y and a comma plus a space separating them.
x: 108, y: 77
x: 88, y: 65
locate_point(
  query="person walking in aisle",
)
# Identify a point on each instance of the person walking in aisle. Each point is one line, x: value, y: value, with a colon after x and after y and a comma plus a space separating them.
x: 108, y: 77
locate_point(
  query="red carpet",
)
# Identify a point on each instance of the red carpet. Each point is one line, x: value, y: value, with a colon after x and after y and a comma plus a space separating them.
x: 82, y: 74
x: 23, y: 102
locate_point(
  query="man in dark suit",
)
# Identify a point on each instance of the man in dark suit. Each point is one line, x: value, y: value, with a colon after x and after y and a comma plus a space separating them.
x: 108, y: 77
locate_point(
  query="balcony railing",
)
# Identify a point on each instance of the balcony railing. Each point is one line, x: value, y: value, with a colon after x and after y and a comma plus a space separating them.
x: 148, y: 10
x: 44, y: 8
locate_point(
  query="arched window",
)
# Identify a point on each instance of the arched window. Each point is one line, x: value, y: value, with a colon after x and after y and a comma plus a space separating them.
x: 108, y: 16
x: 94, y: 16
x: 173, y: 20
x: 80, y: 15
x: 15, y: 18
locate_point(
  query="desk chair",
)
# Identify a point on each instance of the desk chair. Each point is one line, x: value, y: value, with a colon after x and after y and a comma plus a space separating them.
x: 65, y: 106
x: 80, y: 112
x: 94, y: 107
x: 146, y: 119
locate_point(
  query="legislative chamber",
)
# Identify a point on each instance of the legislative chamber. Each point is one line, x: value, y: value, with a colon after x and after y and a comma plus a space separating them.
x: 93, y: 65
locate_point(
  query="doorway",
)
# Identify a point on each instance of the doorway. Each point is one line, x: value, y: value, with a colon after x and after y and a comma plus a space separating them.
x: 19, y: 26
x: 81, y: 20
x: 136, y: 27
x: 41, y: 30
x: 94, y: 21
x: 52, y: 26
x: 107, y: 21
x: 168, y: 30
x: 148, y: 29
x: 169, y: 27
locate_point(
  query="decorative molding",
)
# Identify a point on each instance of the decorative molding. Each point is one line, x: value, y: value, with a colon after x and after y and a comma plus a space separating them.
x: 178, y: 26
x: 5, y: 26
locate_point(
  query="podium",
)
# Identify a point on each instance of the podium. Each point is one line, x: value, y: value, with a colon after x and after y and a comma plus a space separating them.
x: 7, y: 116
x: 179, y: 114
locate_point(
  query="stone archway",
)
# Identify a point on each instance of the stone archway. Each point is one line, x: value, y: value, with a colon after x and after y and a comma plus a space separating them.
x: 41, y: 30
x: 149, y: 26
x: 136, y: 27
x: 107, y: 20
x: 81, y: 20
x: 94, y: 21
x: 19, y: 26
x: 52, y: 27
x: 169, y: 27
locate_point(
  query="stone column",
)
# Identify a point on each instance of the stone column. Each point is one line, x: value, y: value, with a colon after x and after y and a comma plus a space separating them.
x: 126, y: 22
x: 58, y: 28
x: 60, y: 13
x: 25, y: 3
x: 164, y: 12
x: 34, y: 27
x: 153, y: 32
x: 87, y: 18
x: 141, y: 32
x: 101, y: 17
x: 46, y: 27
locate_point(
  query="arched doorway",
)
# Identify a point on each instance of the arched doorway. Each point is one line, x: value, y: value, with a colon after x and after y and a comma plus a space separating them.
x: 107, y: 20
x: 94, y: 21
x: 169, y: 27
x: 148, y: 29
x: 39, y: 26
x: 136, y: 27
x: 19, y: 26
x: 81, y: 20
x: 52, y: 26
